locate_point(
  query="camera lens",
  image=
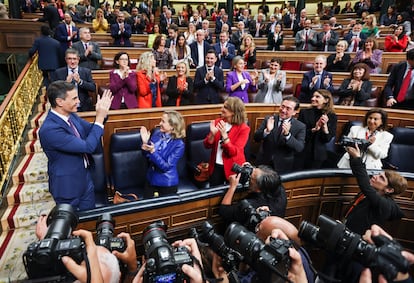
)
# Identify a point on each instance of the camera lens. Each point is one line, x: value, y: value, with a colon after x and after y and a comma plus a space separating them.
x: 236, y: 168
x: 61, y: 221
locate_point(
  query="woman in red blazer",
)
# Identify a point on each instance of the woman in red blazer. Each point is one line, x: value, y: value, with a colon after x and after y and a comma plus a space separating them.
x: 227, y: 139
x: 149, y: 82
x: 396, y: 42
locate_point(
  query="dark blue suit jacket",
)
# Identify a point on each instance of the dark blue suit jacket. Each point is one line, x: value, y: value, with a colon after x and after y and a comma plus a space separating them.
x: 66, y: 168
x: 61, y: 35
x: 194, y: 51
x: 306, y: 92
x: 208, y: 93
x: 83, y: 89
x: 224, y: 62
x: 125, y: 35
x: 50, y: 55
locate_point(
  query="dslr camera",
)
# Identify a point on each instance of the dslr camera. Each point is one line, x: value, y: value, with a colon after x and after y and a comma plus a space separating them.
x: 245, y: 171
x: 42, y: 259
x: 251, y: 216
x: 363, y: 144
x: 384, y: 257
x: 104, y: 234
x: 271, y: 261
x: 163, y: 262
x: 230, y: 258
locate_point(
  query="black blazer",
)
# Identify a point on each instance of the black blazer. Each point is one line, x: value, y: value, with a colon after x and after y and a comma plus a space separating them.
x: 276, y: 150
x: 50, y: 54
x: 173, y: 93
x: 315, y: 142
x: 394, y: 83
x: 359, y: 96
x: 84, y: 87
x: 208, y: 92
x: 194, y: 51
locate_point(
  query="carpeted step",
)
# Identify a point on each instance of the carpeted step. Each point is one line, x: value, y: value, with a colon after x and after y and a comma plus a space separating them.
x: 12, y: 246
x: 33, y: 134
x: 33, y: 146
x: 25, y: 214
x: 27, y: 193
x: 38, y: 119
x: 32, y: 169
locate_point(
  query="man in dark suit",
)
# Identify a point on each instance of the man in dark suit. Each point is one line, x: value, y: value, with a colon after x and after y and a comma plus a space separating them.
x: 51, y: 15
x: 49, y: 52
x: 78, y: 76
x: 121, y: 31
x: 68, y: 142
x: 67, y: 33
x: 225, y: 51
x: 315, y: 79
x: 355, y: 38
x: 219, y: 24
x: 306, y: 39
x: 89, y: 51
x: 282, y: 136
x: 237, y: 36
x: 327, y: 39
x: 209, y: 81
x: 166, y: 21
x: 200, y: 46
x: 399, y: 90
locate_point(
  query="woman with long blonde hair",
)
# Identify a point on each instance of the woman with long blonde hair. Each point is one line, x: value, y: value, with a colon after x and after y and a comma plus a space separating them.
x: 248, y: 51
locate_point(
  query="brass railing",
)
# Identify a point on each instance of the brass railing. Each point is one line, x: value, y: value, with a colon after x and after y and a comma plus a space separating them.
x: 14, y: 114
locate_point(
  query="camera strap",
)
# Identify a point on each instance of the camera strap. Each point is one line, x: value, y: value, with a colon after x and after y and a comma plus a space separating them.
x: 88, y: 267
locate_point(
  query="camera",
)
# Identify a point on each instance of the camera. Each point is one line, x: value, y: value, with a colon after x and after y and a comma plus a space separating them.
x: 104, y: 234
x: 384, y: 257
x: 363, y: 144
x: 245, y: 171
x: 251, y: 216
x: 163, y: 262
x: 230, y: 258
x: 271, y: 261
x: 43, y: 258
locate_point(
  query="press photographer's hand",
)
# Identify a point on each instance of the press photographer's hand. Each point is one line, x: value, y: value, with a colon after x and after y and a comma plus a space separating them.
x: 193, y: 272
x: 354, y: 152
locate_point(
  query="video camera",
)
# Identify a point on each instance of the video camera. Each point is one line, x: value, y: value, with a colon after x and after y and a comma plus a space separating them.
x: 245, y: 171
x: 251, y: 216
x: 42, y: 259
x: 384, y: 257
x: 104, y: 234
x: 163, y: 262
x: 363, y: 144
x: 271, y: 261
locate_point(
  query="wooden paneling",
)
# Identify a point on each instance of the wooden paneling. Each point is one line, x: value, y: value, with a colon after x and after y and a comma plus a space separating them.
x: 17, y: 36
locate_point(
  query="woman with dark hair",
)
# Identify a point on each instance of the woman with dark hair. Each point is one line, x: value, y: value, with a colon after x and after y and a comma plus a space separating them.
x: 389, y: 18
x: 164, y: 148
x: 374, y: 130
x: 153, y: 35
x: 356, y: 89
x: 227, y: 139
x: 370, y: 55
x: 180, y: 87
x: 404, y: 19
x: 271, y: 83
x: 320, y: 120
x: 162, y: 55
x: 396, y: 42
x: 181, y: 52
x: 123, y: 83
x: 275, y: 39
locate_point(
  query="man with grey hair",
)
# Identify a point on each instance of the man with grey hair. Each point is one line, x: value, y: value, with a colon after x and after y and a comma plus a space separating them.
x: 89, y: 51
x: 315, y: 79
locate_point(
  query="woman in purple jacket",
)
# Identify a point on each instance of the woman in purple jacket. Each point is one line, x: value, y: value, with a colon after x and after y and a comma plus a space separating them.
x: 239, y: 81
x: 123, y: 83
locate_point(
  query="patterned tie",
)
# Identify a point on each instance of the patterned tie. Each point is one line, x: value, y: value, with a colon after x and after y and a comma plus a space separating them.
x: 75, y: 131
x: 405, y: 85
x: 69, y: 34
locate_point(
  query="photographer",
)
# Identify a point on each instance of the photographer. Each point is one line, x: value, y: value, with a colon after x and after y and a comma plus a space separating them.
x: 265, y: 189
x: 375, y: 203
x: 104, y: 265
x: 366, y: 276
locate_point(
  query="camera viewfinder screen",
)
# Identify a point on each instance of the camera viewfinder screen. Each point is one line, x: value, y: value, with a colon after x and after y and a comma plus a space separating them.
x: 166, y: 278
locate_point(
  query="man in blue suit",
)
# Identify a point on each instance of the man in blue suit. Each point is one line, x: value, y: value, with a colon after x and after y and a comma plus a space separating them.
x: 225, y: 51
x: 121, y: 31
x: 200, y: 46
x: 315, y: 79
x: 79, y: 76
x: 66, y: 33
x: 49, y: 52
x: 68, y: 141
